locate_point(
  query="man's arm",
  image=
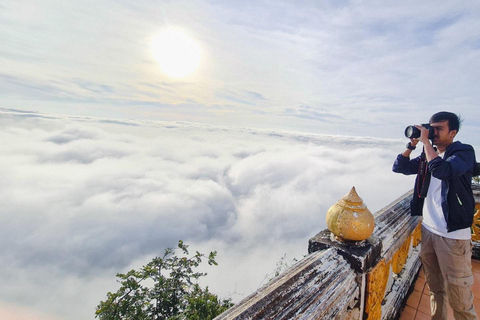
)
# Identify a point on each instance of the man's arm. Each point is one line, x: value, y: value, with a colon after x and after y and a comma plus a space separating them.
x: 407, y: 151
x: 457, y: 164
x: 403, y: 164
x: 430, y: 152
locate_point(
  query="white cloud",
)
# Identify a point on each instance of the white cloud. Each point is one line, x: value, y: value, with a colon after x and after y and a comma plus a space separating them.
x: 378, y: 65
x: 85, y: 198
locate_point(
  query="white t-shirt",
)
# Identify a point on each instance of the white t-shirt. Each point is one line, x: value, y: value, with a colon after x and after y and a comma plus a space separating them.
x: 433, y: 218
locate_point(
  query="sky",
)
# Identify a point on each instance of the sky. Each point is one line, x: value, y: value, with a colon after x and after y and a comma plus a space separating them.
x: 333, y: 67
x: 112, y: 151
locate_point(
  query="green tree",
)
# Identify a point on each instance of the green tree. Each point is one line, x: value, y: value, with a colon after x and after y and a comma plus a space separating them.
x: 164, y: 289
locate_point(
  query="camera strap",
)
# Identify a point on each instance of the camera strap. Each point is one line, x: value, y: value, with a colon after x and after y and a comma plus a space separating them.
x: 423, y: 176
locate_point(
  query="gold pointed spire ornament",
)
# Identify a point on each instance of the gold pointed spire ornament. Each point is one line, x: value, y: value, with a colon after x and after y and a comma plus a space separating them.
x: 349, y: 219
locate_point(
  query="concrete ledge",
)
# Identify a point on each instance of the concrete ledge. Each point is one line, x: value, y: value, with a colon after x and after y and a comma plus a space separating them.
x: 320, y: 286
x: 362, y: 256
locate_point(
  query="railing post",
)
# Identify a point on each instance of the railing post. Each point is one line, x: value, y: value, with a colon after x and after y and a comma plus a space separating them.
x: 342, y: 279
x: 476, y: 224
x: 386, y: 263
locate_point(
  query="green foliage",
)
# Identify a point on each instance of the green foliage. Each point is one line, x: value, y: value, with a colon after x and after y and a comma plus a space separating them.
x: 204, y: 305
x: 476, y: 180
x: 164, y: 289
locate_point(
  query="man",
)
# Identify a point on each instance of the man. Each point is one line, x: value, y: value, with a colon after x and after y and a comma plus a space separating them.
x: 443, y: 195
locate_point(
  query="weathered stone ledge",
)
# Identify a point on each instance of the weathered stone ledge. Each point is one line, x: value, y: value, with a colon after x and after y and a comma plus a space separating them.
x: 320, y: 286
x: 342, y: 280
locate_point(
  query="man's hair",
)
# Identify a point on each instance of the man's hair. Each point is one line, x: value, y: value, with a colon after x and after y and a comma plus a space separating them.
x: 453, y: 120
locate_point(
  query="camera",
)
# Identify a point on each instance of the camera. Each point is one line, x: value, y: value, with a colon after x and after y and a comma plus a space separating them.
x: 412, y: 132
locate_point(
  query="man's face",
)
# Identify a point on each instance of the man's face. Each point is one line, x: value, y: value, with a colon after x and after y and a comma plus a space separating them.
x: 443, y: 135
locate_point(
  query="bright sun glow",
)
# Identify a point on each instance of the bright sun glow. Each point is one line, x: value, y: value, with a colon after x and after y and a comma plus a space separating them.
x: 177, y: 54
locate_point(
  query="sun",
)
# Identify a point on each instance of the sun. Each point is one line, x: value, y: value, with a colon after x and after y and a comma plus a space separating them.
x: 177, y: 53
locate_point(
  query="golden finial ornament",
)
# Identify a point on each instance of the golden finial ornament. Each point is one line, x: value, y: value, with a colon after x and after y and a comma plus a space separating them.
x: 349, y: 219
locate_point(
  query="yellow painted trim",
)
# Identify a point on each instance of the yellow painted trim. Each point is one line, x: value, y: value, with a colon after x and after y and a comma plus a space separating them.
x: 417, y: 235
x: 476, y: 224
x: 377, y: 280
x: 400, y: 257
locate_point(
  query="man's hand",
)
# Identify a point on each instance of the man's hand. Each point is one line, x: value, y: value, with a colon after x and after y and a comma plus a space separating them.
x: 429, y: 150
x: 414, y: 141
x: 423, y: 134
x: 407, y: 152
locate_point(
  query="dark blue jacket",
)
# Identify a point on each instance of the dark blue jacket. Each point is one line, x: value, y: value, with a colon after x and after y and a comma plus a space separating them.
x: 455, y: 170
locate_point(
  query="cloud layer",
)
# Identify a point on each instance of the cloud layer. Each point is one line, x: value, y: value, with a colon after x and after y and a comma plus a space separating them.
x: 331, y: 67
x: 85, y: 198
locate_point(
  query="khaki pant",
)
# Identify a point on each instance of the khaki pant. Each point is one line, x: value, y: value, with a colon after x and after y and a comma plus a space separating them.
x: 448, y: 271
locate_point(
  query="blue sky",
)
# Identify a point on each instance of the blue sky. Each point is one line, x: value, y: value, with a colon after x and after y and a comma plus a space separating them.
x: 106, y: 159
x: 342, y: 67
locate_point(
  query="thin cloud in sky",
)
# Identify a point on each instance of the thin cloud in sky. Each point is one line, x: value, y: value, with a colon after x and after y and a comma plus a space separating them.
x: 387, y: 62
x: 85, y: 198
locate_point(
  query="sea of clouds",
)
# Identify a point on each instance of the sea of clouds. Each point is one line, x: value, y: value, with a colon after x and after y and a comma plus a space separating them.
x: 84, y: 198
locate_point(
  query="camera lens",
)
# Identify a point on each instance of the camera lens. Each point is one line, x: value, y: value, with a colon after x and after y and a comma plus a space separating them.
x: 412, y: 132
